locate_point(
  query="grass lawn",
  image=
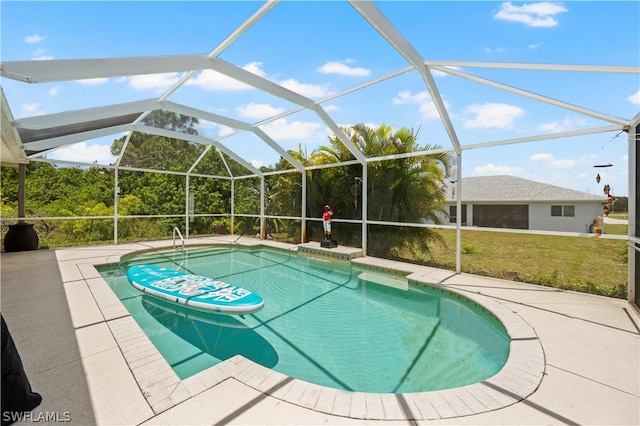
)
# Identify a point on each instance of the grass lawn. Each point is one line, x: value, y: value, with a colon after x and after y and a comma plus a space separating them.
x: 592, y: 265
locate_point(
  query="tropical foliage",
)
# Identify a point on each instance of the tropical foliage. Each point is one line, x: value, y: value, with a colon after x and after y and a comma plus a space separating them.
x: 403, y: 188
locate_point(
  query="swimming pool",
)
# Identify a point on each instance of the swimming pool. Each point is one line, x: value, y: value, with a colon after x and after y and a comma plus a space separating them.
x: 321, y: 323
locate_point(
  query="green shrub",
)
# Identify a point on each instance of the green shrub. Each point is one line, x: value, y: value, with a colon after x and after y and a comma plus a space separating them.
x: 469, y: 249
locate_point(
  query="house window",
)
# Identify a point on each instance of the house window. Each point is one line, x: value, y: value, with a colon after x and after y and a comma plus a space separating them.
x: 514, y: 216
x: 566, y: 211
x: 453, y: 214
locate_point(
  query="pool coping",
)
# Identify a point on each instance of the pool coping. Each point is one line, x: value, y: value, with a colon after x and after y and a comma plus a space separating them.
x: 163, y: 389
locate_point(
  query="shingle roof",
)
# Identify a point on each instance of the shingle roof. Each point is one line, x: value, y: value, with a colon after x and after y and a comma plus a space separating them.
x: 513, y: 189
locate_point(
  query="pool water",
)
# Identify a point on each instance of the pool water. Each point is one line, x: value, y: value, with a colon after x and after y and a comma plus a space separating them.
x: 320, y: 323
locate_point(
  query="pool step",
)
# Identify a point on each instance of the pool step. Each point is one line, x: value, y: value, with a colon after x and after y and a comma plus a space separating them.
x: 372, y: 277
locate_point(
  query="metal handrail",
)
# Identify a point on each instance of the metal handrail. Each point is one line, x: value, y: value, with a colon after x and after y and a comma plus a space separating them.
x: 174, y: 237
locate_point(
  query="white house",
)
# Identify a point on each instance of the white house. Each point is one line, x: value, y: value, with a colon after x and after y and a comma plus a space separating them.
x: 512, y: 202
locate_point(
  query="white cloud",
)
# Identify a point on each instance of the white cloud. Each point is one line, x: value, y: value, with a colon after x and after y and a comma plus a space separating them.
x: 342, y: 69
x: 35, y: 38
x: 43, y: 58
x: 255, y: 68
x: 54, y: 91
x: 406, y: 97
x: 534, y: 45
x: 331, y: 107
x: 308, y: 90
x: 224, y: 130
x: 281, y: 129
x: 564, y: 125
x: 258, y: 111
x: 492, y: 169
x: 438, y: 73
x: 540, y: 14
x: 212, y: 130
x: 541, y: 157
x: 550, y: 162
x: 93, y: 81
x: 30, y: 110
x: 427, y: 108
x: 635, y: 98
x: 213, y: 80
x: 156, y: 82
x: 40, y: 53
x: 82, y: 152
x: 257, y: 163
x: 491, y: 115
x: 494, y: 50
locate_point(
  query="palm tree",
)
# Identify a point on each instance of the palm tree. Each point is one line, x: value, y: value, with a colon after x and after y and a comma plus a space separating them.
x: 407, y: 189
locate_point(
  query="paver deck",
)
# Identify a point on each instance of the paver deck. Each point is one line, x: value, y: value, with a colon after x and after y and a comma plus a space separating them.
x: 575, y: 358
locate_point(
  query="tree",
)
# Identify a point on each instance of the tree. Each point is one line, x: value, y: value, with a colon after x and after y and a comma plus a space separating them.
x: 621, y: 204
x: 63, y: 191
x: 401, y: 188
x: 157, y: 193
x: 408, y: 189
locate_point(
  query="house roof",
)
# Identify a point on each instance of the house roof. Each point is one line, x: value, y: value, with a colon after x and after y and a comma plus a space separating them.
x: 510, y: 189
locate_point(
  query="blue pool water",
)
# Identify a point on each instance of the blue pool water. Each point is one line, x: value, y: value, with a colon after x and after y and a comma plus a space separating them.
x: 320, y: 323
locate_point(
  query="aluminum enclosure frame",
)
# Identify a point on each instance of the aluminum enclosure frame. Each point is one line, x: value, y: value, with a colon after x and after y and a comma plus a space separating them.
x: 40, y: 135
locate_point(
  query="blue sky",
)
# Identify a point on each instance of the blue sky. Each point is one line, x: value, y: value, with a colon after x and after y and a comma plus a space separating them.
x: 322, y: 48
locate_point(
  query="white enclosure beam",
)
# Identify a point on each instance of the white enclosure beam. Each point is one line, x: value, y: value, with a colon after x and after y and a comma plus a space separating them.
x: 205, y: 115
x: 531, y: 95
x: 367, y: 84
x: 338, y: 95
x: 222, y: 46
x: 272, y: 88
x: 253, y: 19
x: 75, y: 138
x: 199, y: 139
x: 364, y: 195
x: 340, y: 134
x: 123, y: 149
x: 303, y: 208
x: 255, y: 81
x: 11, y: 150
x: 548, y: 136
x: 380, y: 22
x: 83, y: 115
x: 633, y: 279
x: 200, y: 157
x: 459, y: 213
x: 608, y: 69
x: 84, y: 69
x: 234, y: 124
x: 283, y: 153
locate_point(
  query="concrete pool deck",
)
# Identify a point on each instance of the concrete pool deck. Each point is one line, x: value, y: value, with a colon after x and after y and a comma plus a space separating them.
x: 88, y: 358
